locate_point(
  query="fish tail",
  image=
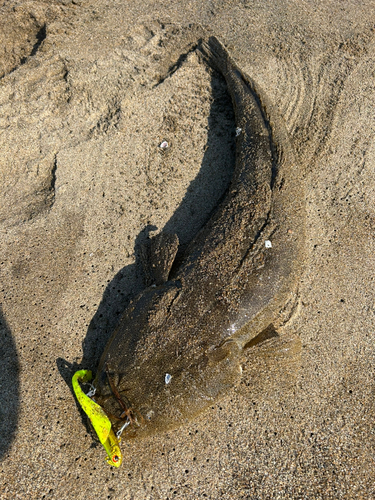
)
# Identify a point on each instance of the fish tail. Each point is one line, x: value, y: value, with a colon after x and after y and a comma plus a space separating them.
x: 215, y: 54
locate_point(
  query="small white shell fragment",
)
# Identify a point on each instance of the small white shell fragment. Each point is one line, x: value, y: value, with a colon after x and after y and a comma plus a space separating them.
x: 232, y: 328
x: 163, y: 145
x: 238, y: 131
x: 168, y: 377
x: 268, y: 244
x: 150, y: 414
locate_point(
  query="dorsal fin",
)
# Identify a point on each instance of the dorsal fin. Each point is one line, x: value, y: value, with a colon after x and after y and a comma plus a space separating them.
x: 158, y: 255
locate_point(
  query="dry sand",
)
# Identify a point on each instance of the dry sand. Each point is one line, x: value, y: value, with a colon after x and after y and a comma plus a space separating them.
x: 86, y: 96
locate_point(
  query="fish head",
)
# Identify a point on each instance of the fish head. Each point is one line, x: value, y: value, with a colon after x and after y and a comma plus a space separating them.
x: 114, y: 457
x: 161, y: 385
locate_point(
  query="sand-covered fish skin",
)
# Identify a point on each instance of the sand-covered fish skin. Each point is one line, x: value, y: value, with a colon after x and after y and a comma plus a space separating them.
x: 236, y: 276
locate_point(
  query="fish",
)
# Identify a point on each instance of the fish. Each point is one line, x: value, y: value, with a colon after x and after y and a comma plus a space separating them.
x: 98, y: 418
x: 179, y: 344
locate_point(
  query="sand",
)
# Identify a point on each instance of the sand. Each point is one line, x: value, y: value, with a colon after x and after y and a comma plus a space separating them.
x: 88, y: 91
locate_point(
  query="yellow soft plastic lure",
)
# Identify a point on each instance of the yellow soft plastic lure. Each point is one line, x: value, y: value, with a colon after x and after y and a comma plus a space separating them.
x: 98, y: 418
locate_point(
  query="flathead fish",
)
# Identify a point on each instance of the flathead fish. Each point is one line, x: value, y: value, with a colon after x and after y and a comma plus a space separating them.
x: 179, y: 344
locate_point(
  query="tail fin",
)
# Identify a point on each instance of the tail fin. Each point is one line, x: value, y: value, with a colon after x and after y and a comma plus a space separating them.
x: 215, y: 54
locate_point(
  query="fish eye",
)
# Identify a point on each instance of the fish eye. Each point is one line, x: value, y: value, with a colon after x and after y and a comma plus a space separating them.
x: 115, y: 458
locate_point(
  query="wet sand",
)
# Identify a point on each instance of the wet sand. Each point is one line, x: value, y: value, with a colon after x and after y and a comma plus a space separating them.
x: 88, y: 91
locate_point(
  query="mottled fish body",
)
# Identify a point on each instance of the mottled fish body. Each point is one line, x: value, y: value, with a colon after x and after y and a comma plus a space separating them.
x: 179, y: 344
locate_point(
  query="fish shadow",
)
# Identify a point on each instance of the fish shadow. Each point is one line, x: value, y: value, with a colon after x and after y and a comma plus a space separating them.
x: 201, y: 199
x: 9, y: 385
